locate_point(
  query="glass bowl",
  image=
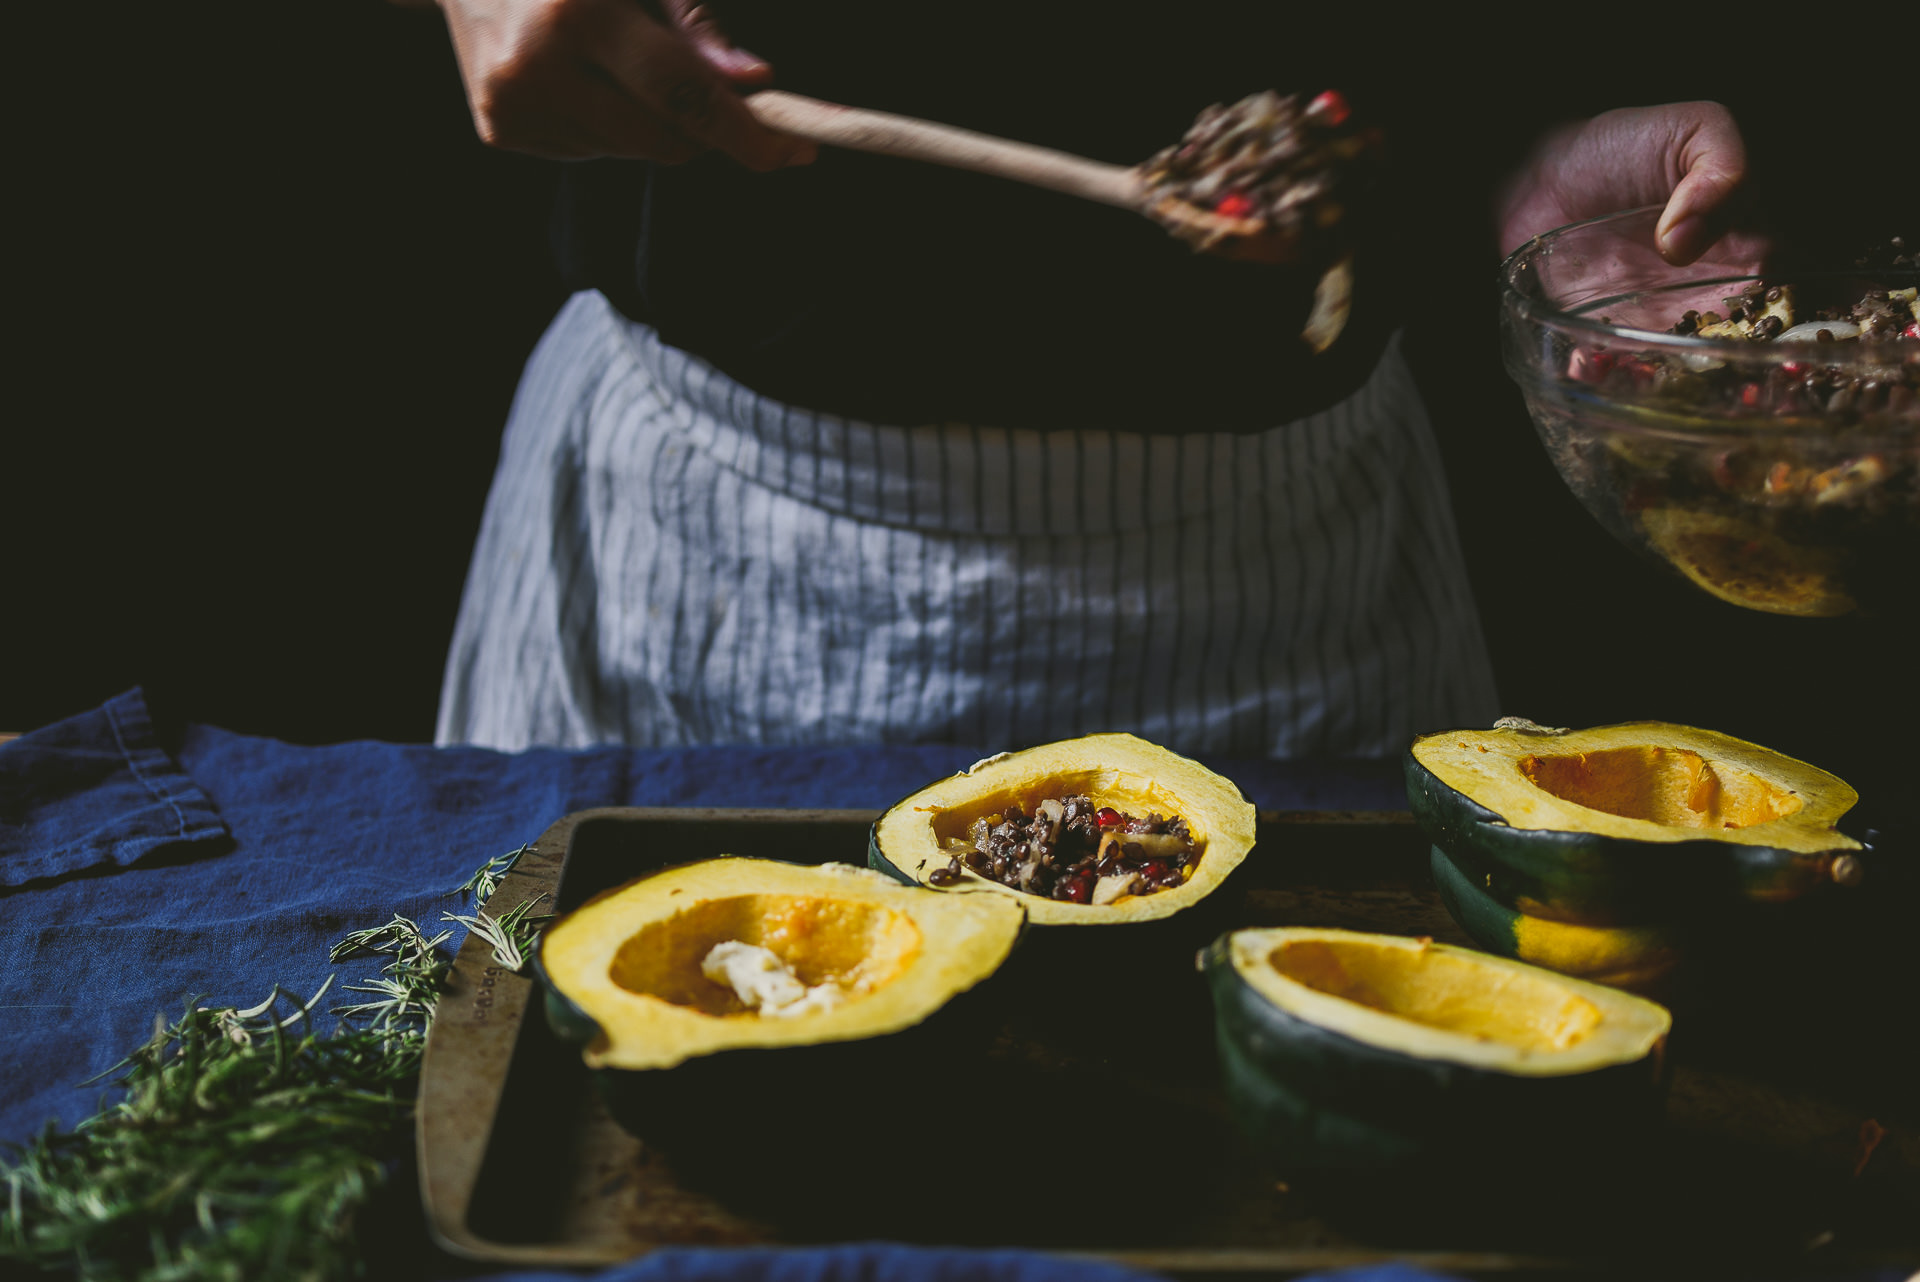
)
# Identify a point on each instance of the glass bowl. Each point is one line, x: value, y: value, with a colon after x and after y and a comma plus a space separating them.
x: 1779, y: 475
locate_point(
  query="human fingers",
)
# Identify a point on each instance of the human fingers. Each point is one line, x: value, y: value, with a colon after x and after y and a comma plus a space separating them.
x: 661, y: 68
x: 537, y: 80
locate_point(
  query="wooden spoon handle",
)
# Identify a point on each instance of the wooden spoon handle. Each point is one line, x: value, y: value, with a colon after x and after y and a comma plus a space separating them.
x: 909, y: 139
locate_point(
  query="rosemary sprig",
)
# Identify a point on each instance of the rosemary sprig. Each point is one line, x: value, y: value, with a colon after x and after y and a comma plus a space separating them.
x: 511, y: 933
x: 245, y: 1142
x: 486, y: 879
x: 408, y: 986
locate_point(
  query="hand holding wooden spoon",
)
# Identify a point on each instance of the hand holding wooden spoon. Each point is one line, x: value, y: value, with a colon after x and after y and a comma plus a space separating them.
x: 1262, y: 188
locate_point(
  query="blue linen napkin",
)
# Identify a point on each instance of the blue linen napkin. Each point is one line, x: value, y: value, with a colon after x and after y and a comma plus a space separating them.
x: 890, y: 1263
x: 95, y: 789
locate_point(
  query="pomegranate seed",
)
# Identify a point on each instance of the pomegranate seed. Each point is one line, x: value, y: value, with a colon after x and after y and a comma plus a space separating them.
x: 1106, y: 816
x: 1233, y: 205
x: 1793, y: 369
x: 1155, y: 870
x: 1750, y: 395
x: 1330, y: 107
x: 1913, y: 330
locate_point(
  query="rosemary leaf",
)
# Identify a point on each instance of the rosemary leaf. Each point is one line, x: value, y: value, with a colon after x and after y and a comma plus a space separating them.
x: 511, y: 933
x: 487, y: 878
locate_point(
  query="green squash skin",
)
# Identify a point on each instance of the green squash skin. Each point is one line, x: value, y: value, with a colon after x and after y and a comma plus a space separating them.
x: 1292, y: 1135
x: 717, y: 1116
x: 1640, y: 956
x: 878, y: 861
x: 1488, y: 922
x: 1314, y: 1102
x: 569, y: 1023
x: 1600, y: 880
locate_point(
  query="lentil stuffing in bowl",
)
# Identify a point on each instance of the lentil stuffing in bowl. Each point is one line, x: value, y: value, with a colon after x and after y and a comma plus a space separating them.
x: 1758, y: 432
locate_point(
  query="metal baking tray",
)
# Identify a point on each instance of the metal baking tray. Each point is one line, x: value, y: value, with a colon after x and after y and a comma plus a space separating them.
x: 1792, y: 1140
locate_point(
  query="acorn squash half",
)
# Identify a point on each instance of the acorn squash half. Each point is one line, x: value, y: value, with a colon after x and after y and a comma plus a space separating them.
x: 624, y: 978
x: 1117, y: 770
x: 1345, y: 1053
x: 1603, y: 852
x: 777, y: 1113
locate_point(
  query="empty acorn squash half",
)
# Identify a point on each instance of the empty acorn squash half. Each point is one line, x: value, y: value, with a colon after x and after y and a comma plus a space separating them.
x: 1600, y: 852
x: 1362, y: 1054
x: 1123, y: 778
x: 629, y: 973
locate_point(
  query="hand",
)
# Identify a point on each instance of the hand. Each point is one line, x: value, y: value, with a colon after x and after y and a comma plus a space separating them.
x: 1687, y: 156
x: 572, y: 79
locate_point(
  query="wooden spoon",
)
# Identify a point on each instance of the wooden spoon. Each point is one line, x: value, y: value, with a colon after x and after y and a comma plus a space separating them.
x: 883, y: 133
x: 886, y: 134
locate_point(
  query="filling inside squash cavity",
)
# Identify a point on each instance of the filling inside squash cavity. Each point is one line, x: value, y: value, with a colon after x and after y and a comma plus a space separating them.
x: 767, y: 955
x: 1073, y: 849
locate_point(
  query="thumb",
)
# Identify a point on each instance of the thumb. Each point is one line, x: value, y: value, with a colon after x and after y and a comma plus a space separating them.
x: 1712, y: 160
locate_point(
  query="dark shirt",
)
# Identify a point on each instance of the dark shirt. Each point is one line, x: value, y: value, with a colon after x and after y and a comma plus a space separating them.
x: 907, y: 293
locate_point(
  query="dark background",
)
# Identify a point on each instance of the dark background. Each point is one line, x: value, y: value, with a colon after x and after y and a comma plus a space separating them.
x: 270, y: 299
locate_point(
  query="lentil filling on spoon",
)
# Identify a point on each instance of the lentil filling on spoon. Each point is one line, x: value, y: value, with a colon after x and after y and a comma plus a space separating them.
x: 1276, y: 167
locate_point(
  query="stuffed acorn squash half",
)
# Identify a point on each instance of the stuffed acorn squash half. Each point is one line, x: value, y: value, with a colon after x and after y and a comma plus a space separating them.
x: 736, y: 1014
x: 1351, y: 1054
x: 1101, y: 830
x: 756, y: 955
x: 1604, y: 852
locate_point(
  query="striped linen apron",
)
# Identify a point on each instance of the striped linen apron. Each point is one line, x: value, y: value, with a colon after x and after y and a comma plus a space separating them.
x: 668, y: 558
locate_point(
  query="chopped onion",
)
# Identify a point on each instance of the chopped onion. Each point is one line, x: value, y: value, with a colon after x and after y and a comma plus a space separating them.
x: 1055, y: 815
x: 1154, y: 845
x: 1809, y: 331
